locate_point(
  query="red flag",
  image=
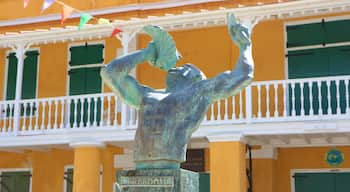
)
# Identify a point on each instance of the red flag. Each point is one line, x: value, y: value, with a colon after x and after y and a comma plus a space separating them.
x: 25, y: 3
x: 116, y: 31
x: 66, y: 12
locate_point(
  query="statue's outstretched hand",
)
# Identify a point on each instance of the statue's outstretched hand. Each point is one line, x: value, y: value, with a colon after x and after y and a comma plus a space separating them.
x: 165, y: 52
x: 239, y: 33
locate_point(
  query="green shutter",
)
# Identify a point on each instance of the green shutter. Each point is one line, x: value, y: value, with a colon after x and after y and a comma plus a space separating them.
x: 337, y: 31
x: 77, y: 81
x: 93, y: 81
x: 69, y: 180
x: 30, y: 69
x: 318, y: 33
x: 15, y: 181
x: 339, y: 59
x: 322, y: 182
x: 204, y: 182
x: 83, y: 55
x: 308, y: 63
x: 11, y: 77
x: 342, y: 183
x: 305, y: 35
x: 314, y: 182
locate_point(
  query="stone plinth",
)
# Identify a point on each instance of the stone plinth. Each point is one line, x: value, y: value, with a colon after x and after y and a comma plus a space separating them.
x: 157, y: 180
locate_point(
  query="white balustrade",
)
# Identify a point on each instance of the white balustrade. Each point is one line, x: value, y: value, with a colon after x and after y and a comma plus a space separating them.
x: 268, y: 101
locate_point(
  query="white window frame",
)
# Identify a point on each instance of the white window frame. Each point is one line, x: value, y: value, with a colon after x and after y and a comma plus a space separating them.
x: 325, y: 170
x: 19, y: 170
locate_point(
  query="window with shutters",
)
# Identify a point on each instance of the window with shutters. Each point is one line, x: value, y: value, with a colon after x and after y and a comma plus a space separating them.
x: 321, y: 182
x: 84, y: 78
x: 318, y: 49
x: 29, y: 81
x: 68, y: 179
x: 15, y: 181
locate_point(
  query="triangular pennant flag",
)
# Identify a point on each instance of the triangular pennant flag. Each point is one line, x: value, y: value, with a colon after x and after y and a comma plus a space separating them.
x: 103, y: 21
x: 66, y: 12
x: 84, y: 18
x: 47, y: 4
x: 25, y: 3
x: 116, y: 31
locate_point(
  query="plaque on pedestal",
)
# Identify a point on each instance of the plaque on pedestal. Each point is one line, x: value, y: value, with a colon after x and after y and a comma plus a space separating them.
x: 157, y: 180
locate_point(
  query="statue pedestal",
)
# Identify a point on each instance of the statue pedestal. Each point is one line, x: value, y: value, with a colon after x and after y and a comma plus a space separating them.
x: 157, y: 180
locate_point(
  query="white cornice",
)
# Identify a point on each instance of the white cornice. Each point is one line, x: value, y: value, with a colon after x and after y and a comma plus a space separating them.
x: 113, y: 10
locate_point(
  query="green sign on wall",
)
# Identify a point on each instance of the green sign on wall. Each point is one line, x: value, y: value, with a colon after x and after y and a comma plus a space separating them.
x: 334, y: 157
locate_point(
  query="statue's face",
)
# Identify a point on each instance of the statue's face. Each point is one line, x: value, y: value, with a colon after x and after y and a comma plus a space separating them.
x: 180, y: 77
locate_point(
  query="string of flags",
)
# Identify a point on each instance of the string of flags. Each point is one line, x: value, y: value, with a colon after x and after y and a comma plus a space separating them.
x: 67, y: 11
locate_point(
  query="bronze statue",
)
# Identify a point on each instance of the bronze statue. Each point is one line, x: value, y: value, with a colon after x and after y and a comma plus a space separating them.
x: 168, y: 118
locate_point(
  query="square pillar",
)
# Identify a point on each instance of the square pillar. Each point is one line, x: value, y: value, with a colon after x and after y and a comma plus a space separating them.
x: 87, y: 166
x: 227, y: 164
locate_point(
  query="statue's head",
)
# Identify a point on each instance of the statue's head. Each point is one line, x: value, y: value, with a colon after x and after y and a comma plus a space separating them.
x: 180, y: 77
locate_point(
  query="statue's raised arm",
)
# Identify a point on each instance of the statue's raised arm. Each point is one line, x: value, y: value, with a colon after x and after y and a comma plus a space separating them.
x: 161, y: 52
x: 230, y: 83
x: 116, y: 76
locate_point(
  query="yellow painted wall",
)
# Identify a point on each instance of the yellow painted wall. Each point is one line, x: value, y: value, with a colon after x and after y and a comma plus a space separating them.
x: 208, y: 49
x: 53, y: 70
x: 263, y: 175
x: 3, y: 62
x: 48, y: 167
x: 48, y: 170
x: 213, y: 52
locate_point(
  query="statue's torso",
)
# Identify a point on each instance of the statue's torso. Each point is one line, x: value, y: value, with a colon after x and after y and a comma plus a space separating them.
x: 166, y: 123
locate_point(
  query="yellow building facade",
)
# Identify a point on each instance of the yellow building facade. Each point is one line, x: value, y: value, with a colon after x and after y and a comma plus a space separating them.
x: 65, y: 131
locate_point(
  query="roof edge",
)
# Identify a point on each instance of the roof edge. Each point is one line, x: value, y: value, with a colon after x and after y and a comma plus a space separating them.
x: 106, y: 11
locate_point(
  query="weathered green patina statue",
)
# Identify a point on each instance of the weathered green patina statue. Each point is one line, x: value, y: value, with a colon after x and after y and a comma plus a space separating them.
x: 168, y: 118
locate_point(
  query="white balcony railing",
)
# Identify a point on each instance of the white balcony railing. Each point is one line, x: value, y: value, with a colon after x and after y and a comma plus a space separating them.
x: 265, y: 101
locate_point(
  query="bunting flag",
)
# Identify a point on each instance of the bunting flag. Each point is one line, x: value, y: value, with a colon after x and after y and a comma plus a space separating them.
x: 66, y: 12
x: 116, y: 31
x: 47, y: 4
x: 103, y: 21
x: 25, y: 3
x: 84, y: 18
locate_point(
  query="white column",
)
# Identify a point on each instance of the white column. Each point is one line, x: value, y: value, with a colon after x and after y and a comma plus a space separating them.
x: 125, y: 43
x: 20, y: 54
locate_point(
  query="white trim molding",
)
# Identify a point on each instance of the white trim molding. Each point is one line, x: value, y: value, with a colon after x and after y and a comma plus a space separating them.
x: 265, y: 152
x: 227, y: 138
x: 86, y: 143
